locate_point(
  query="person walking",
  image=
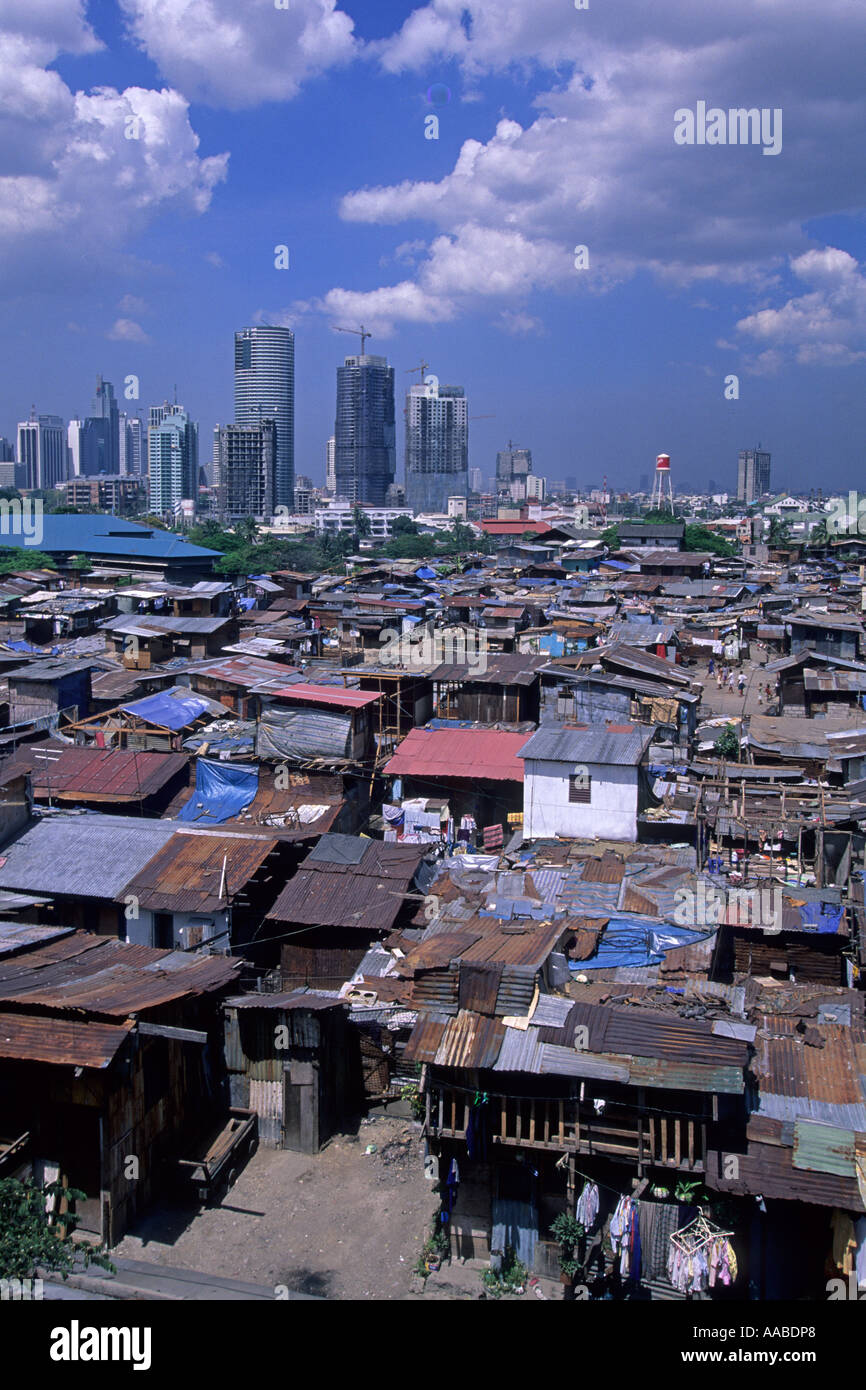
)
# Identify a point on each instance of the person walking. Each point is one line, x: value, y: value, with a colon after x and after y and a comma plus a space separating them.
x: 741, y: 682
x: 731, y: 682
x: 712, y: 663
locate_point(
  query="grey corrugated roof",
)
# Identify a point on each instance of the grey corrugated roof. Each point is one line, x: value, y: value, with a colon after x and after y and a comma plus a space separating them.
x: 561, y: 745
x: 571, y: 1061
x: 800, y: 1107
x: 520, y: 1051
x: 551, y: 1011
x: 83, y: 856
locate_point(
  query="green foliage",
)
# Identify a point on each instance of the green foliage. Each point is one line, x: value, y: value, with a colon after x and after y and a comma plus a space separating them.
x: 436, y: 1246
x: 21, y: 557
x: 156, y: 523
x: 416, y: 1101
x: 409, y: 547
x: 610, y: 536
x: 567, y: 1229
x: 30, y: 1238
x: 780, y: 533
x: 360, y: 523
x: 81, y: 564
x: 512, y: 1276
x: 404, y: 526
x: 727, y: 744
x: 688, y: 1192
x: 701, y: 538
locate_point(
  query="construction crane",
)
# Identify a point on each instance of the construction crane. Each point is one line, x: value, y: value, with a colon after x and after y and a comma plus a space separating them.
x: 422, y: 368
x: 358, y: 332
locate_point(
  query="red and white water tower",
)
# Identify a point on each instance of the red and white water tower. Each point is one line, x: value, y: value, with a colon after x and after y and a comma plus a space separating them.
x: 663, y: 493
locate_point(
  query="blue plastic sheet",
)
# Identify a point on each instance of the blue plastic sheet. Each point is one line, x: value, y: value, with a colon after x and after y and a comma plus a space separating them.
x: 222, y: 791
x: 825, y: 917
x: 632, y: 941
x: 168, y: 712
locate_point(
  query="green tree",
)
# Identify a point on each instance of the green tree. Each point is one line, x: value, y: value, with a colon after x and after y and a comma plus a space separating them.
x: 31, y: 1239
x: 610, y: 536
x: 701, y: 539
x: 21, y: 557
x: 727, y: 744
x: 360, y: 524
x: 247, y: 530
x: 780, y: 533
x: 404, y: 526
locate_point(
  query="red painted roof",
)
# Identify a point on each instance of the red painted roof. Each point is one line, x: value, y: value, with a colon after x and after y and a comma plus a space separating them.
x: 514, y: 528
x: 490, y: 754
x: 328, y: 695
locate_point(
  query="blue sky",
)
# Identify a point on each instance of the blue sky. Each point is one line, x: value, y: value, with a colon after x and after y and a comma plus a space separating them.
x: 259, y: 126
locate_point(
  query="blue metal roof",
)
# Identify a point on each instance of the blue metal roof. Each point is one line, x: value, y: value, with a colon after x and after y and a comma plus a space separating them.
x: 109, y: 535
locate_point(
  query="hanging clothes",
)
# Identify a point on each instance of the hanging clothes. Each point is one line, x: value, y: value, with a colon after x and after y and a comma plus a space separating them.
x: 586, y: 1211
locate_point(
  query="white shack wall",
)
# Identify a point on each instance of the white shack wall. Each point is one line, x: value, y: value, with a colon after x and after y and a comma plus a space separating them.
x: 547, y: 811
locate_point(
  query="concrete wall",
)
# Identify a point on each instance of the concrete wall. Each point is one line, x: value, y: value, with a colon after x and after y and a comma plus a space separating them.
x: 611, y: 814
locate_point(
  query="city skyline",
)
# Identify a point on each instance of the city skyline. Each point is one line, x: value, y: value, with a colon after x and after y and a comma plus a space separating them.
x: 554, y: 136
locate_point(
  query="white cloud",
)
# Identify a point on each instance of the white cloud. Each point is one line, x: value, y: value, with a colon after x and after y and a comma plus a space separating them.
x: 131, y: 304
x: 241, y: 54
x: 215, y: 259
x: 520, y: 324
x: 598, y: 166
x: 127, y: 331
x: 70, y: 175
x: 826, y: 326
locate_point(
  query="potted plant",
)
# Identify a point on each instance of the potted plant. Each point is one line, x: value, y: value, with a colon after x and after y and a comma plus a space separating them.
x: 567, y: 1230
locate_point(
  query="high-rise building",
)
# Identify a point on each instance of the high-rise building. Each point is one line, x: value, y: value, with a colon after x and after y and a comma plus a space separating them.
x: 73, y: 442
x: 172, y: 462
x: 42, y: 451
x: 265, y: 390
x: 7, y: 452
x: 100, y: 434
x: 331, y: 465
x: 437, y: 446
x: 753, y: 475
x: 364, y: 431
x: 136, y: 447
x: 476, y: 481
x: 244, y: 470
x: 512, y: 464
x: 8, y: 469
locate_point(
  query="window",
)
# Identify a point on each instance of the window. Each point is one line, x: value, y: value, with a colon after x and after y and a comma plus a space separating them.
x: 580, y: 788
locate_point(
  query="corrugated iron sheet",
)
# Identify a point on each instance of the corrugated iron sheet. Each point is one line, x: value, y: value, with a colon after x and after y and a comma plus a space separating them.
x: 470, y: 754
x: 823, y: 1148
x: 426, y: 1036
x: 66, y: 1042
x: 521, y: 1050
x: 470, y: 1040
x: 572, y: 1061
x: 186, y: 875
x: 266, y: 1097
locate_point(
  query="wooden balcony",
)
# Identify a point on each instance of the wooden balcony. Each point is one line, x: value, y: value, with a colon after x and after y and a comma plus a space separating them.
x: 566, y: 1126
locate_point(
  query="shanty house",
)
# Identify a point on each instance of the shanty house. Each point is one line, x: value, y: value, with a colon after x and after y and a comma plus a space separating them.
x: 347, y: 893
x: 290, y: 1058
x: 585, y: 782
x: 111, y: 1062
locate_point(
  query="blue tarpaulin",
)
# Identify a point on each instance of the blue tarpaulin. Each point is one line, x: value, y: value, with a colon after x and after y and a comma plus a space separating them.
x: 634, y: 941
x: 167, y: 711
x: 222, y: 791
x: 823, y: 916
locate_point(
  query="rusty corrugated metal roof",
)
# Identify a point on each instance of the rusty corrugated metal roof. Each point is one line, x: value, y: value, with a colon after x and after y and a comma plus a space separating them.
x: 64, y: 1041
x: 98, y: 774
x: 470, y: 1040
x: 426, y: 1036
x: 186, y: 874
x: 106, y: 976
